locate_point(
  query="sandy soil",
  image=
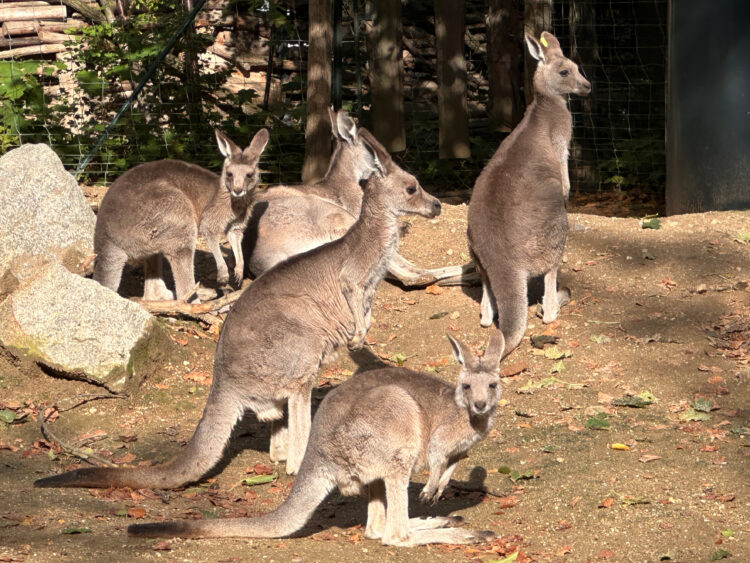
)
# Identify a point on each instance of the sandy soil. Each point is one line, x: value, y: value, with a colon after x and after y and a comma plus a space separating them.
x: 662, y: 311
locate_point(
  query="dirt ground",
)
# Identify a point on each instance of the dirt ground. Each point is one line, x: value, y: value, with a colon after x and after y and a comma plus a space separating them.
x: 567, y: 474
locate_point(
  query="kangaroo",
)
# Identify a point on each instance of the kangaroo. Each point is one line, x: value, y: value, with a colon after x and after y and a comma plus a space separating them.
x: 517, y: 223
x: 160, y: 207
x: 289, y: 321
x: 288, y: 220
x: 371, y: 434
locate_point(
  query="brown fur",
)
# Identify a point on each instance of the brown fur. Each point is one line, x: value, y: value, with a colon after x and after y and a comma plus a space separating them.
x: 159, y: 208
x: 517, y: 222
x: 288, y: 322
x: 288, y: 220
x: 371, y: 434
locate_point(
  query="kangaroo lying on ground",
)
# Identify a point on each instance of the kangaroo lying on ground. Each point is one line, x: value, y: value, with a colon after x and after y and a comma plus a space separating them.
x: 517, y: 223
x: 160, y: 207
x: 371, y: 433
x: 289, y: 321
x: 288, y: 220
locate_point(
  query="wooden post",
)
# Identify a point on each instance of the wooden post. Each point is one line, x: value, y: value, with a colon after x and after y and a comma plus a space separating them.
x: 386, y: 75
x: 504, y: 63
x: 318, y: 130
x: 453, y: 137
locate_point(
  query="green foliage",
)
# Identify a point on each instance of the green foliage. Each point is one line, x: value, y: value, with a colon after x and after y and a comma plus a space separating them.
x: 636, y: 162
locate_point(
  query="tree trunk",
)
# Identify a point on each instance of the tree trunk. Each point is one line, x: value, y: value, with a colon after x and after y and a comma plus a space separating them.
x: 86, y: 10
x: 504, y: 63
x: 453, y: 120
x: 386, y: 75
x: 19, y: 42
x: 537, y: 18
x: 584, y: 50
x: 318, y: 131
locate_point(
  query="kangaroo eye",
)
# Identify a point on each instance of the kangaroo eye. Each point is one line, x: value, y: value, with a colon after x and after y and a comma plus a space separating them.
x: 411, y: 190
x: 563, y: 73
x: 493, y: 385
x: 466, y: 386
x: 229, y: 175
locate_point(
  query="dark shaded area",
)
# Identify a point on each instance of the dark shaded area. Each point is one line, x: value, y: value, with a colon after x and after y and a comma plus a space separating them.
x: 708, y: 126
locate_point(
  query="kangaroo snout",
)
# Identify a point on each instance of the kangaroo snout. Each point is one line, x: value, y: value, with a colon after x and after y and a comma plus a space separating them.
x: 584, y: 88
x: 480, y: 406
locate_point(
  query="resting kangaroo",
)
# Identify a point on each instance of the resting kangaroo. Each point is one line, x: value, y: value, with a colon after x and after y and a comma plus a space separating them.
x: 288, y: 220
x: 371, y: 433
x: 289, y: 321
x: 517, y: 223
x: 160, y: 207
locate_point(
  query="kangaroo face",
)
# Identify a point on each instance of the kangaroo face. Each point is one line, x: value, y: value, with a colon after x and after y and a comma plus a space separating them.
x: 240, y: 174
x: 555, y: 74
x: 412, y: 198
x: 478, y: 389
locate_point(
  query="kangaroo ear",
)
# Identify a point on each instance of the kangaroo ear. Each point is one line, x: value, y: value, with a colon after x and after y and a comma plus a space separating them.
x: 535, y: 48
x: 332, y: 117
x: 549, y: 43
x: 382, y: 157
x: 494, y: 352
x: 346, y: 129
x: 460, y: 351
x: 257, y: 145
x: 226, y: 146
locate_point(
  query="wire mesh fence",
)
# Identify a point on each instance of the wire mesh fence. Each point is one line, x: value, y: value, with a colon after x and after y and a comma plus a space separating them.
x: 618, y: 130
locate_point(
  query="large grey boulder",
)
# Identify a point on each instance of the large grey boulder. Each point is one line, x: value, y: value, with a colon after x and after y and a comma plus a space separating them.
x: 67, y: 323
x: 42, y: 210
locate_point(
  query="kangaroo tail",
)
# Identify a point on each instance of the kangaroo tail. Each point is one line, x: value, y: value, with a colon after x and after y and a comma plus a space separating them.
x: 223, y: 410
x: 309, y: 489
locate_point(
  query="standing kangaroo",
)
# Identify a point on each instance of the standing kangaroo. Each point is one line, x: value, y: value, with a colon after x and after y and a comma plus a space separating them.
x: 372, y: 433
x: 288, y: 220
x: 517, y: 223
x: 160, y: 207
x: 289, y: 321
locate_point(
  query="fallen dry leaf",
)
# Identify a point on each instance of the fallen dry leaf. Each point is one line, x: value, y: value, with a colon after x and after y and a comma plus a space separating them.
x: 607, y: 502
x: 136, y: 512
x: 161, y: 546
x: 434, y: 290
x: 648, y: 457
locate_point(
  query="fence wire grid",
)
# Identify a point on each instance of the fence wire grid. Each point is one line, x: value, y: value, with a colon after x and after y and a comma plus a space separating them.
x: 618, y: 139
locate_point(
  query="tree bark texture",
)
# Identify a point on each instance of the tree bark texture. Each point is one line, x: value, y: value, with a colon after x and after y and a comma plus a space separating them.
x: 318, y: 130
x: 505, y: 63
x: 386, y: 75
x: 453, y: 120
x: 9, y: 12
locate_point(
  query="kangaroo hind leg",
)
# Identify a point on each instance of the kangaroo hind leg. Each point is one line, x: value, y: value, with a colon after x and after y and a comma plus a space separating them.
x: 154, y: 288
x: 110, y: 261
x: 553, y: 298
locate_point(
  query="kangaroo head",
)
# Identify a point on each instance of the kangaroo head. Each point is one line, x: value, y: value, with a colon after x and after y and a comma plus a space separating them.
x: 403, y: 192
x: 240, y: 174
x: 478, y: 389
x: 352, y: 146
x: 556, y: 75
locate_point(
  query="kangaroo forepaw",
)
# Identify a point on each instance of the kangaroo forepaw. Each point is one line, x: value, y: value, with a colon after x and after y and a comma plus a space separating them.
x: 429, y: 495
x: 239, y: 274
x: 356, y: 343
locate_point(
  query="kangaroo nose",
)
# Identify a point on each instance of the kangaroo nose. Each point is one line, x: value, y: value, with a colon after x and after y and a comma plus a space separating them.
x: 479, y: 405
x: 436, y: 206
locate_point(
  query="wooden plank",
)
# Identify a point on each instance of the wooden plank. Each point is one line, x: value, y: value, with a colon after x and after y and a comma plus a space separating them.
x: 35, y: 50
x: 11, y: 13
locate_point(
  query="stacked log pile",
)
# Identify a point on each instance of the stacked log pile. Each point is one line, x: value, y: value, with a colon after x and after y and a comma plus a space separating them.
x: 33, y: 28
